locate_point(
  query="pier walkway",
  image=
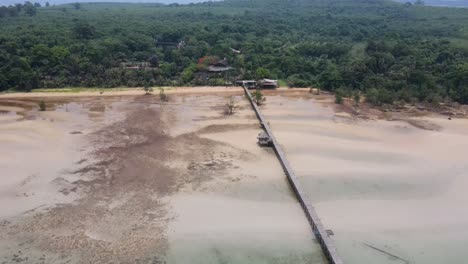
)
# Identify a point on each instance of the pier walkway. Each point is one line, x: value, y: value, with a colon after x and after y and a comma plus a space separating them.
x: 326, y: 243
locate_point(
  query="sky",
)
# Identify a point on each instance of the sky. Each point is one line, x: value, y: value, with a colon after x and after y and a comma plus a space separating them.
x: 58, y: 2
x: 453, y: 3
x: 449, y: 3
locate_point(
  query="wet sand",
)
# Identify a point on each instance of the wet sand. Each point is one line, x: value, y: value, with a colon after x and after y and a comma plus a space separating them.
x: 131, y: 179
x: 388, y: 184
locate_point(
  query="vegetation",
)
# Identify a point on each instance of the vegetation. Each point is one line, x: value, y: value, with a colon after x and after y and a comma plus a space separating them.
x: 356, y: 98
x: 163, y: 95
x: 148, y: 90
x: 42, y: 106
x: 230, y: 106
x: 26, y: 9
x: 339, y: 94
x: 315, y: 91
x: 387, y: 51
x: 258, y: 97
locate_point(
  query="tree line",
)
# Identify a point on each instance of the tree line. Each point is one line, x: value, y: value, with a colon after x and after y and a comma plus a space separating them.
x: 386, y: 50
x: 28, y: 9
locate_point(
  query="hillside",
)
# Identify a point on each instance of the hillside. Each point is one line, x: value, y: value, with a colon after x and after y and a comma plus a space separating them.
x: 386, y: 50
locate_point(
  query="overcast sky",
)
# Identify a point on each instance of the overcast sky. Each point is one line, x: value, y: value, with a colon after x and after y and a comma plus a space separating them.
x: 58, y: 2
x: 458, y: 3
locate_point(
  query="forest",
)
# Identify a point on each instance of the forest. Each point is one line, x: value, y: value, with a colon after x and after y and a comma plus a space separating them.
x: 388, y: 51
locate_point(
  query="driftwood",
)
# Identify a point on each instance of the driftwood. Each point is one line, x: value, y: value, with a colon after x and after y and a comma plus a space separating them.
x: 387, y: 253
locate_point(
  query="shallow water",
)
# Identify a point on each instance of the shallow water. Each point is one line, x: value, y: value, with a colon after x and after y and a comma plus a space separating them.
x: 382, y: 183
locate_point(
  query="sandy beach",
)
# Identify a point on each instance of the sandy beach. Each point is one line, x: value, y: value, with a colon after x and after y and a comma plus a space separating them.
x: 386, y: 184
x: 123, y: 177
x: 131, y: 179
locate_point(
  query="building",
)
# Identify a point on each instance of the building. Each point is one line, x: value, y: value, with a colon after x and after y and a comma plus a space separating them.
x: 213, y: 71
x: 250, y: 84
x: 267, y: 83
x: 219, y: 66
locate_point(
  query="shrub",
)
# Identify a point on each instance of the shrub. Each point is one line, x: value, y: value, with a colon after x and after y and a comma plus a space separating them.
x: 379, y: 96
x: 258, y: 97
x: 434, y: 99
x: 339, y: 94
x: 148, y: 90
x: 230, y: 106
x: 163, y: 95
x: 216, y: 82
x: 357, y: 97
x: 42, y: 105
x: 296, y: 80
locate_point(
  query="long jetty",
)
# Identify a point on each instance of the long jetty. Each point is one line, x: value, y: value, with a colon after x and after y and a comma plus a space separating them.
x: 326, y: 243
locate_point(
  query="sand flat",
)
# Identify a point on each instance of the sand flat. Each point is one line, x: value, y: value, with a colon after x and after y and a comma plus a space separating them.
x: 131, y: 179
x: 254, y: 217
x: 384, y: 183
x: 191, y: 185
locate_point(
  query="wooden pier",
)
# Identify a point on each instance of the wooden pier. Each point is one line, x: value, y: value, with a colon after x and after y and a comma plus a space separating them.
x: 326, y: 243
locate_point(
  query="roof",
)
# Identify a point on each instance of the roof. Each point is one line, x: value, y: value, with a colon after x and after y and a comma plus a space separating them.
x: 220, y: 63
x: 268, y: 81
x: 219, y: 68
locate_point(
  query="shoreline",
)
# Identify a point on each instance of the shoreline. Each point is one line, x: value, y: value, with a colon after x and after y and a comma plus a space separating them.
x: 138, y: 165
x: 409, y: 113
x: 85, y: 92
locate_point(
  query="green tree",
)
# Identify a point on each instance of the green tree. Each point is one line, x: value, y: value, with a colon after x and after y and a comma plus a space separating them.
x: 41, y: 55
x: 154, y: 61
x: 339, y: 95
x: 83, y: 30
x: 261, y: 73
x: 3, y: 11
x: 330, y: 78
x: 30, y: 9
x: 13, y: 11
x: 188, y: 73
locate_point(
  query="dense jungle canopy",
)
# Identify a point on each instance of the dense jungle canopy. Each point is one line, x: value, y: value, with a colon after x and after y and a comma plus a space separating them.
x: 387, y: 50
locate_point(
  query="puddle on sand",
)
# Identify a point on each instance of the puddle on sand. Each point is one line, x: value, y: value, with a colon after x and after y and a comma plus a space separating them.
x: 387, y: 184
x: 10, y: 113
x: 7, y: 115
